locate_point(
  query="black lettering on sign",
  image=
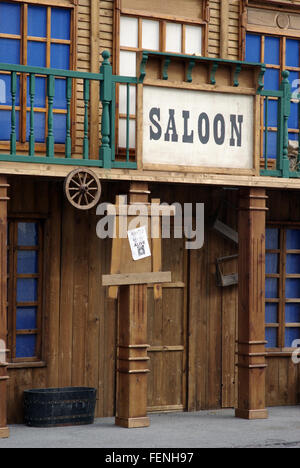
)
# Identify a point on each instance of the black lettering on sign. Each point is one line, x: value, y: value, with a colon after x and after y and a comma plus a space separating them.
x: 219, y: 129
x: 155, y: 112
x: 235, y: 130
x: 171, y: 127
x: 204, y: 134
x: 187, y: 138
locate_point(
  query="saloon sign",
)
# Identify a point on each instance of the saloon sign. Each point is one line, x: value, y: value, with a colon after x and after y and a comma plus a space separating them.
x: 197, y: 128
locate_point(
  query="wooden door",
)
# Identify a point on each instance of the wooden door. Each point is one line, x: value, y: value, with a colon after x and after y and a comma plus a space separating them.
x: 167, y: 335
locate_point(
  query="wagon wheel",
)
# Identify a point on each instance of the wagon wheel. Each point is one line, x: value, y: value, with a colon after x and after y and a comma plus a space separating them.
x: 82, y: 188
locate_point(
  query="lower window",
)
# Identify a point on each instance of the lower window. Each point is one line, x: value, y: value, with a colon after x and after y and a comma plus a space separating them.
x: 282, y: 286
x: 25, y: 243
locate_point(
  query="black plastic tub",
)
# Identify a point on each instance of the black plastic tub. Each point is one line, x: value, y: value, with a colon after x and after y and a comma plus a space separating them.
x: 52, y: 407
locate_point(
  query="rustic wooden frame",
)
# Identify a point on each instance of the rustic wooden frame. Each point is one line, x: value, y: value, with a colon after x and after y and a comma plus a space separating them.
x: 12, y: 305
x: 281, y: 325
x: 23, y: 37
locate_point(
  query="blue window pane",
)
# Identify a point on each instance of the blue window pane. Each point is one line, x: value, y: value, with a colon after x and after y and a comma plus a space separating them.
x: 25, y: 346
x: 292, y: 288
x: 253, y: 48
x: 5, y: 90
x: 5, y: 125
x: 293, y: 239
x: 60, y: 127
x: 271, y: 313
x: 292, y: 264
x: 60, y: 23
x: 27, y: 262
x: 27, y: 234
x: 272, y: 113
x: 10, y: 15
x: 40, y: 92
x: 37, y: 21
x: 36, y: 54
x: 27, y: 290
x: 271, y: 337
x: 10, y: 51
x: 272, y: 79
x: 294, y: 116
x: 39, y: 126
x: 60, y: 56
x: 272, y: 261
x: 292, y: 313
x: 272, y: 50
x: 271, y: 145
x: 60, y: 98
x: 271, y: 288
x: 291, y: 335
x: 292, y: 53
x: 293, y: 136
x: 294, y: 81
x: 26, y: 318
x: 272, y: 239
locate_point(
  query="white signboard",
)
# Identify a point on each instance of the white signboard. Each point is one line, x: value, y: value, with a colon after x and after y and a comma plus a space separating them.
x: 197, y: 128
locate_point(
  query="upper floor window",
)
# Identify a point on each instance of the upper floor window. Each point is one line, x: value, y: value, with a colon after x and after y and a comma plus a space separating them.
x: 278, y: 53
x: 39, y: 36
x: 158, y: 35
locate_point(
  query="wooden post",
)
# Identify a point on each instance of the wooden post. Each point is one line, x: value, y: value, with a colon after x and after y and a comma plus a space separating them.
x: 132, y: 361
x: 130, y: 279
x: 251, y: 320
x: 4, y: 431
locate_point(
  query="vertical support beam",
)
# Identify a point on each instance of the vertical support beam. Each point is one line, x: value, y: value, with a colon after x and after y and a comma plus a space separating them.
x: 131, y: 411
x: 224, y: 29
x: 4, y: 431
x: 251, y: 320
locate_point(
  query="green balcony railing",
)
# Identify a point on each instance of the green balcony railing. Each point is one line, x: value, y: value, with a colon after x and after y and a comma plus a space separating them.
x: 284, y: 164
x: 26, y: 152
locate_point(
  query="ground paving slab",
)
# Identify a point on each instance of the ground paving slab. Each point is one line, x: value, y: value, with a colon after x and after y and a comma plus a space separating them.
x: 204, y: 429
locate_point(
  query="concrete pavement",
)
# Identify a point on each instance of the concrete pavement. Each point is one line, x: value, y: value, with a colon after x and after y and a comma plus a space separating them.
x: 205, y: 429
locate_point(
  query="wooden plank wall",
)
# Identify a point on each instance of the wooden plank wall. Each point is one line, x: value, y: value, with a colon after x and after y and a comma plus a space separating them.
x: 80, y: 322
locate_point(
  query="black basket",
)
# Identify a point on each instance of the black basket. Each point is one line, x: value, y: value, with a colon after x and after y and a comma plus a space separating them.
x: 52, y: 407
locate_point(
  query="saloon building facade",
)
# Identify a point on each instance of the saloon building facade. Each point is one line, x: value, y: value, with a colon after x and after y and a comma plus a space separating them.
x: 196, y: 101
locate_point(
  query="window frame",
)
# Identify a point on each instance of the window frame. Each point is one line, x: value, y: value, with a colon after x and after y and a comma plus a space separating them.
x: 12, y: 303
x: 281, y: 276
x: 163, y: 20
x: 22, y: 145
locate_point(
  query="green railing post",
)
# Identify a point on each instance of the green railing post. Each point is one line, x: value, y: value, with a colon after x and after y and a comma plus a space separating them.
x: 31, y: 132
x: 106, y: 99
x: 286, y: 110
x: 86, y: 98
x: 50, y: 137
x: 13, y: 138
x: 68, y: 149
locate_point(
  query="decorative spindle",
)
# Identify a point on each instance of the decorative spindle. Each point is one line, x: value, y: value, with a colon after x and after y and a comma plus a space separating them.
x: 86, y: 97
x: 68, y: 149
x: 32, y: 95
x: 286, y: 109
x: 13, y: 139
x: 50, y: 137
